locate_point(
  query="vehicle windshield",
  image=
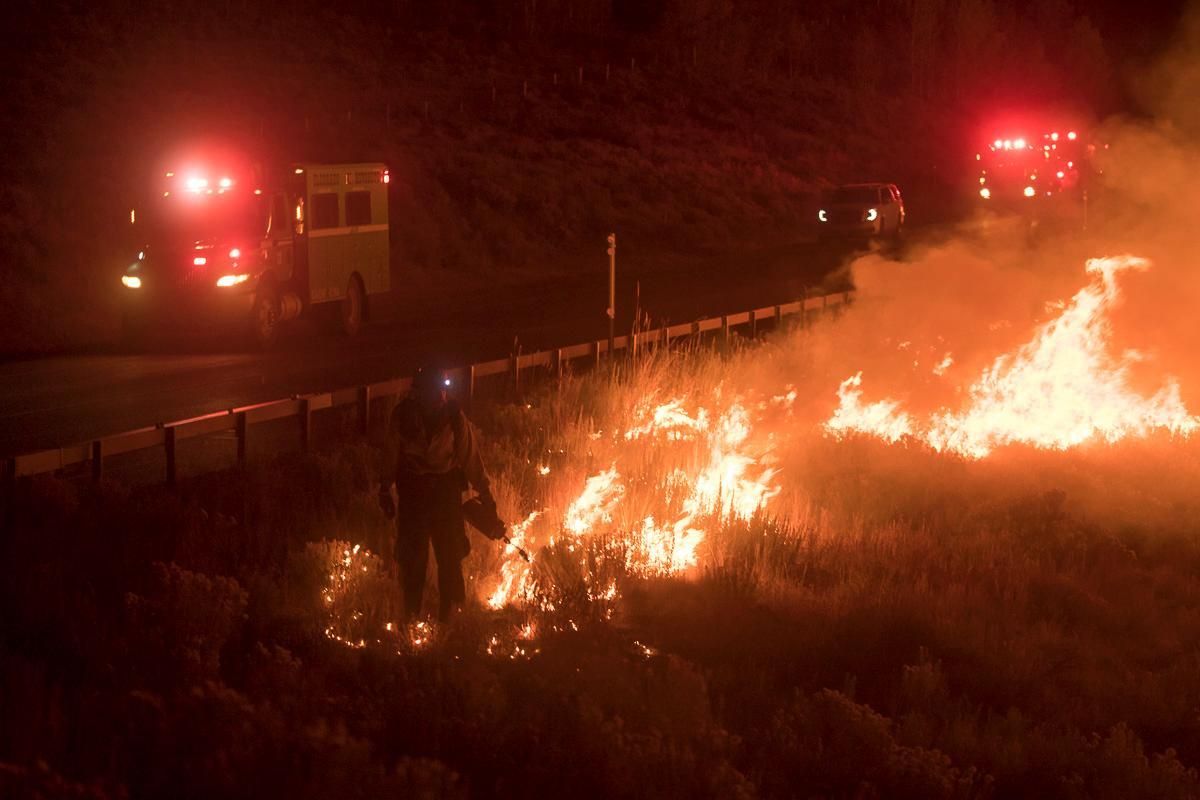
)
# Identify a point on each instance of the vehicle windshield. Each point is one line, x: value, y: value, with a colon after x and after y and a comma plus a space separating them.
x: 848, y: 195
x: 187, y: 218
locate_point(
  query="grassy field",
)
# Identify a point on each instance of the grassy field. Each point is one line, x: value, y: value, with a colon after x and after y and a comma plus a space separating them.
x: 830, y: 618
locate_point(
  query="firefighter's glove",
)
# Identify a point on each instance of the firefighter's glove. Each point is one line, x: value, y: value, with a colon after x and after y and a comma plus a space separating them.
x: 387, y: 503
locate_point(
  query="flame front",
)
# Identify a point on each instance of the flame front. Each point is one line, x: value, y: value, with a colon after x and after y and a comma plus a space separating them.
x: 689, y: 456
x: 724, y: 477
x: 1059, y: 390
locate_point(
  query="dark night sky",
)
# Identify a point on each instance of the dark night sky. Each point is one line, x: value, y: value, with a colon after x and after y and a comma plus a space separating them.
x: 1137, y: 30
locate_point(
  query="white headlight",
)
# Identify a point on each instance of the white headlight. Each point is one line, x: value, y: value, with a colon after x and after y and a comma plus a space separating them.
x: 231, y: 280
x: 821, y: 215
x: 872, y: 214
x: 131, y: 281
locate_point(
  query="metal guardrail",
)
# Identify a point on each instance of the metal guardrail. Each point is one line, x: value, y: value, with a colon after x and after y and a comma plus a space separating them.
x: 238, y: 421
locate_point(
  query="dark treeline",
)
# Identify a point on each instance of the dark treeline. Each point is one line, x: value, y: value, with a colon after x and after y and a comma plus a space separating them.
x: 518, y: 128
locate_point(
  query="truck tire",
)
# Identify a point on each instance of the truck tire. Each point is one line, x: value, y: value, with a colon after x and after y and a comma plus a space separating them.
x: 264, y: 316
x: 354, y: 306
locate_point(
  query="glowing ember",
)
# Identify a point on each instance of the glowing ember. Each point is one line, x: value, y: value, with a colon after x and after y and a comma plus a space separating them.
x: 1059, y: 390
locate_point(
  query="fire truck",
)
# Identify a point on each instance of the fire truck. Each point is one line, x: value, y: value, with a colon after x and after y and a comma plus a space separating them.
x: 1026, y: 173
x: 237, y: 245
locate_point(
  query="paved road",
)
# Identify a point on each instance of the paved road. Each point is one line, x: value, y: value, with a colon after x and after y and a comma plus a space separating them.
x: 61, y: 400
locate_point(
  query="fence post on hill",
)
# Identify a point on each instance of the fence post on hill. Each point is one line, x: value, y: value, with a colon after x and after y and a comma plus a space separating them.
x: 612, y: 293
x: 364, y: 410
x: 169, y: 447
x: 305, y: 425
x: 241, y: 431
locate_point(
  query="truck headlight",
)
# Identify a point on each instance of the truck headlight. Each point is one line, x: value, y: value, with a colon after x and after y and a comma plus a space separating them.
x: 226, y: 281
x: 131, y: 281
x: 985, y: 193
x: 823, y: 216
x: 872, y: 214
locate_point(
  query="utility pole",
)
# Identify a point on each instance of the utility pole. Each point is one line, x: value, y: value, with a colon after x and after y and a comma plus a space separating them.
x: 612, y: 293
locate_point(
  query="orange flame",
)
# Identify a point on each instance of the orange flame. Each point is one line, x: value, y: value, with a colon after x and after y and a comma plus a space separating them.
x: 734, y: 481
x: 1059, y: 390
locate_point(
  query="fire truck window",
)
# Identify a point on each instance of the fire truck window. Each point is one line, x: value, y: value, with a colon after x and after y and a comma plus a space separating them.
x: 358, y: 208
x: 324, y: 211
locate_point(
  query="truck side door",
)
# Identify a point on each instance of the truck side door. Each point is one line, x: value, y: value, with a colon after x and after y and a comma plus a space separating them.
x: 279, y: 249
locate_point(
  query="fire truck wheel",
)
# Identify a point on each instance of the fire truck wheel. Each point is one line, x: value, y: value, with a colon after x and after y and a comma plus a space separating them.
x: 354, y: 306
x: 264, y: 317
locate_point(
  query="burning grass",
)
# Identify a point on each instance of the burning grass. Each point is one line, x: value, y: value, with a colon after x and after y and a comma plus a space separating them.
x: 723, y: 600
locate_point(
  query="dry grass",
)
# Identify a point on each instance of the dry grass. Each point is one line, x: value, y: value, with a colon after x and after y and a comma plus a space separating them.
x: 894, y: 623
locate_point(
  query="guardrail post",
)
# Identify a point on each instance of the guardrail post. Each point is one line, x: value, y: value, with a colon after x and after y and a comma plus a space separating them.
x: 305, y: 424
x: 824, y: 305
x: 470, y: 384
x: 753, y: 324
x: 558, y: 363
x: 364, y: 410
x: 169, y: 446
x: 724, y: 335
x: 514, y: 368
x: 778, y: 317
x: 241, y: 429
x: 596, y: 352
x: 97, y: 460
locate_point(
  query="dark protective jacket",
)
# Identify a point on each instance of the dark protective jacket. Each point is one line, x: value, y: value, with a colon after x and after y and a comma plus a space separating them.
x: 435, y: 446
